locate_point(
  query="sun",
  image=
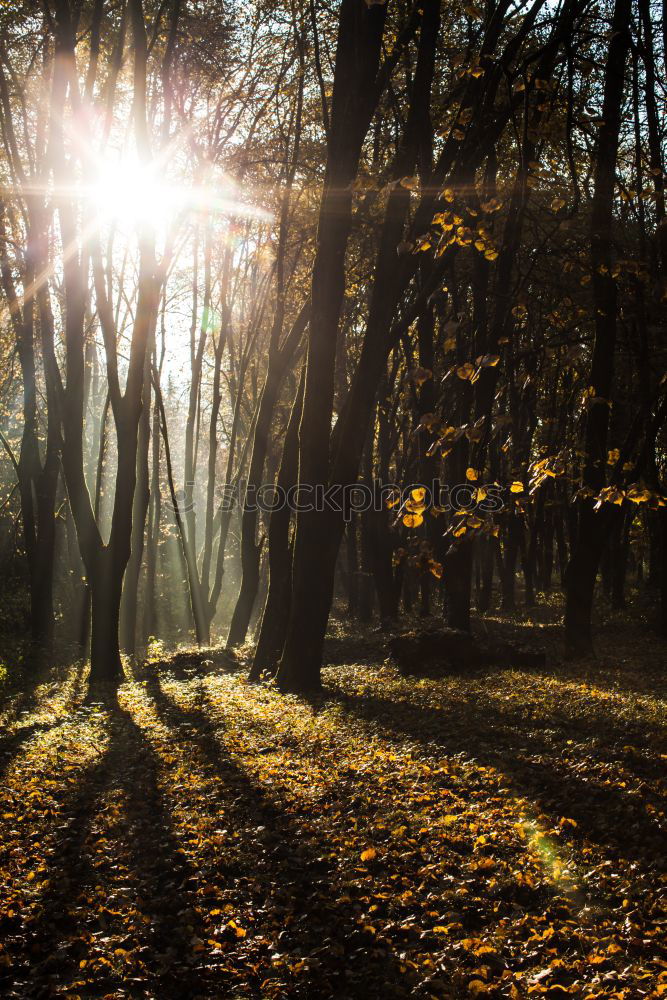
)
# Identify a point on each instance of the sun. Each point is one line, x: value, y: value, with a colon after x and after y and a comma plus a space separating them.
x: 133, y: 193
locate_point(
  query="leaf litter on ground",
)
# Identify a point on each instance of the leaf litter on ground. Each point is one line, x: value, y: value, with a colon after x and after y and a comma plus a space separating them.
x: 499, y: 834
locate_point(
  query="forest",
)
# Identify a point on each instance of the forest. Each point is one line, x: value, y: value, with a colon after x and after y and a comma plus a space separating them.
x: 333, y: 499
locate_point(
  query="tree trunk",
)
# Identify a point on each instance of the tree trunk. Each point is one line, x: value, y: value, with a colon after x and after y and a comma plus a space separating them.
x: 251, y: 549
x: 313, y: 578
x: 130, y: 600
x: 106, y: 587
x: 276, y: 610
x: 582, y: 570
x: 458, y: 583
x: 360, y: 33
x: 512, y: 546
x: 663, y: 575
x: 352, y: 569
x: 620, y: 560
x: 487, y: 557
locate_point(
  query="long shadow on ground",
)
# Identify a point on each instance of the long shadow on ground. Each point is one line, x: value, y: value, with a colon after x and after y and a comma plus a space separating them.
x: 132, y: 886
x: 531, y: 761
x: 288, y: 876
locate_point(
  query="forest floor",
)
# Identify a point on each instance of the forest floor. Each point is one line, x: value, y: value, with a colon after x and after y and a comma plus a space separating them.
x: 495, y: 833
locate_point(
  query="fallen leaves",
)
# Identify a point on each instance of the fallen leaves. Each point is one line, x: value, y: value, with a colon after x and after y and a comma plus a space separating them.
x: 460, y: 836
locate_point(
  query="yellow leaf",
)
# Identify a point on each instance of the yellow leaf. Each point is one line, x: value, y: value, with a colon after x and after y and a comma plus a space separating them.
x: 413, y: 520
x: 516, y: 487
x: 472, y: 474
x: 421, y: 375
x: 369, y: 854
x: 492, y: 205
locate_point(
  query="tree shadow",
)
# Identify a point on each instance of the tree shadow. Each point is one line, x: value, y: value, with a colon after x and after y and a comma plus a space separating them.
x: 24, y: 699
x: 603, y: 812
x: 283, y: 870
x: 615, y: 667
x: 117, y: 913
x: 13, y: 743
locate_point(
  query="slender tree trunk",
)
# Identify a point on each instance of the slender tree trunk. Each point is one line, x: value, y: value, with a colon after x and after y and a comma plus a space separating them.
x: 663, y: 574
x: 487, y: 556
x: 512, y: 547
x: 621, y: 546
x: 273, y: 627
x: 352, y: 569
x: 130, y: 601
x: 251, y: 549
x: 583, y: 566
x: 153, y: 532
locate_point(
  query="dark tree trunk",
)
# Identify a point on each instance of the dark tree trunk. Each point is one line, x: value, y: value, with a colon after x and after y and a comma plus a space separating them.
x: 106, y: 587
x: 512, y: 547
x: 620, y: 560
x: 487, y: 558
x: 366, y: 595
x: 561, y: 546
x: 458, y: 581
x: 383, y: 571
x: 360, y: 33
x: 663, y: 574
x: 582, y: 570
x: 37, y: 477
x: 352, y: 569
x: 273, y: 626
x: 529, y: 563
x: 548, y: 543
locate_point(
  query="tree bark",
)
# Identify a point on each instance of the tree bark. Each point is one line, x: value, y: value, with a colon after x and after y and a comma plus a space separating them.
x: 583, y: 566
x: 360, y: 32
